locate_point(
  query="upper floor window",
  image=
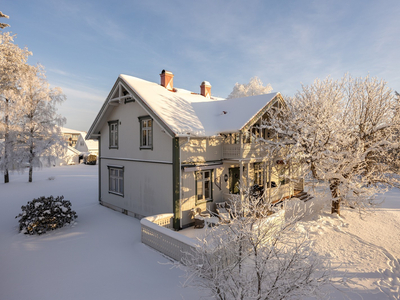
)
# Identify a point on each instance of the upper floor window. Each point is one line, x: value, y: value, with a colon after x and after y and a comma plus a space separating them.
x: 203, y: 185
x: 113, y: 132
x: 146, y: 132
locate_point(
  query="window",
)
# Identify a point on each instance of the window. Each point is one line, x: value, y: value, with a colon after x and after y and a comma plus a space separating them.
x: 146, y: 132
x: 113, y: 127
x: 116, y: 180
x: 203, y: 185
x: 258, y: 174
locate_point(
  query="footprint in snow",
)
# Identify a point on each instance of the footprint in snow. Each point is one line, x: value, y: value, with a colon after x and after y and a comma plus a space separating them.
x: 390, y: 282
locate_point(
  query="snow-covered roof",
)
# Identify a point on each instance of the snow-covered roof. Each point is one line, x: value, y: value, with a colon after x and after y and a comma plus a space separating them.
x: 92, y: 144
x: 72, y: 131
x: 187, y: 113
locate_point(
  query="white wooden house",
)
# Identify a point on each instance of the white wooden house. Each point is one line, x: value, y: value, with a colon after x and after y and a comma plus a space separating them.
x: 169, y: 150
x: 84, y: 145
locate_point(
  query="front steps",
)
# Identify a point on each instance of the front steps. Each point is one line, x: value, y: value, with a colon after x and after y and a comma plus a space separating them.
x: 303, y: 196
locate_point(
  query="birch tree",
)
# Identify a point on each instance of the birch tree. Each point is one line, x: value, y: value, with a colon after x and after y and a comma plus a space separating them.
x: 12, y: 65
x: 40, y: 136
x: 253, y: 88
x: 346, y: 133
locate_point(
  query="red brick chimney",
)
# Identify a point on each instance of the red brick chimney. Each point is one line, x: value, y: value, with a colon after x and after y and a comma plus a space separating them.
x: 205, y: 89
x: 167, y: 80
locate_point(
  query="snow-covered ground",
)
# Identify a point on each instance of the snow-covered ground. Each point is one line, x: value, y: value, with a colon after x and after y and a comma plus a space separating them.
x: 101, y: 256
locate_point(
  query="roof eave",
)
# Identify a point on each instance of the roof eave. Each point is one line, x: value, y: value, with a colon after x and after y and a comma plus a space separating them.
x: 261, y: 112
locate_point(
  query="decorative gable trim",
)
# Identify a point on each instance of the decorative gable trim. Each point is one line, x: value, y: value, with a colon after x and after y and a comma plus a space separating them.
x: 114, y: 98
x: 260, y: 113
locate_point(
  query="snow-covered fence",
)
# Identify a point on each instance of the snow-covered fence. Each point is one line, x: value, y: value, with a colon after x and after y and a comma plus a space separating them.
x: 157, y: 234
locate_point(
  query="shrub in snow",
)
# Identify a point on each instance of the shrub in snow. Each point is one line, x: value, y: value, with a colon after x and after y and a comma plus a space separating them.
x: 45, y: 213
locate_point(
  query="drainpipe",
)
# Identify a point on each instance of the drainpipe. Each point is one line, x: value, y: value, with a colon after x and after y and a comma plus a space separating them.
x: 181, y: 180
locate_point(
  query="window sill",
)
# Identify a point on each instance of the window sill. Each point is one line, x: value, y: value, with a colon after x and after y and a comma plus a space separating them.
x: 115, y: 193
x: 198, y: 202
x: 146, y: 148
x: 113, y: 147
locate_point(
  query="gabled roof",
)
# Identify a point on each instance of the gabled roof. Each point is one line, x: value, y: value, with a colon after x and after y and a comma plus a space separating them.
x: 182, y: 113
x: 71, y: 131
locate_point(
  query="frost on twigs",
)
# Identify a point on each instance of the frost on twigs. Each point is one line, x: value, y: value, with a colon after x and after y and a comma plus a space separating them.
x: 45, y: 213
x: 259, y: 254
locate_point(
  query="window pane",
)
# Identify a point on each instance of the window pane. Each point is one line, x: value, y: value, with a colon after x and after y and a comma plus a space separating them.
x: 207, y: 190
x: 200, y: 190
x: 199, y: 176
x: 144, y: 141
x: 149, y: 137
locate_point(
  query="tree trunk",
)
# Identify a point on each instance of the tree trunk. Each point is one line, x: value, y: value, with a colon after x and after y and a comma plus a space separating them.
x: 334, y: 184
x: 6, y: 143
x: 30, y: 173
x: 6, y: 176
x: 30, y: 163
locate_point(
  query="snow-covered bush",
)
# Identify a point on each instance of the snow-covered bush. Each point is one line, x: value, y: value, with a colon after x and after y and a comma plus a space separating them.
x: 45, y: 213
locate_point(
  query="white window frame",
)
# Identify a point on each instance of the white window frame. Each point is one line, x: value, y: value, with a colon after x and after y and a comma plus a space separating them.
x: 113, y: 132
x: 202, y: 184
x: 116, y: 180
x: 146, y: 132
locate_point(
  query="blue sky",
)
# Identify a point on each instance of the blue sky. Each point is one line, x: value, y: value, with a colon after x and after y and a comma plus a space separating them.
x: 85, y: 44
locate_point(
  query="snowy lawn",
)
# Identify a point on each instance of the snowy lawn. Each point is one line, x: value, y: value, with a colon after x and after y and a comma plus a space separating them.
x: 101, y: 256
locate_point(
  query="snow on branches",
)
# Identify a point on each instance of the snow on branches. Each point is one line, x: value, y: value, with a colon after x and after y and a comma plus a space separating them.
x: 253, y: 88
x: 346, y: 133
x: 28, y: 114
x: 258, y: 254
x: 45, y: 213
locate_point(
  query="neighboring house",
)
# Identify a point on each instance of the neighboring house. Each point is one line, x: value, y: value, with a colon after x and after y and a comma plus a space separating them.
x: 163, y: 149
x: 71, y: 156
x: 71, y: 135
x: 84, y: 145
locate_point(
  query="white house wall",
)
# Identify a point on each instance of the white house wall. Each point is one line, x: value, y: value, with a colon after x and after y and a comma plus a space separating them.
x: 147, y: 187
x: 147, y: 173
x: 199, y: 151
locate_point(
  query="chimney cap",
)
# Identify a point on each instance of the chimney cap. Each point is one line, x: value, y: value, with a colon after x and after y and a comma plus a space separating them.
x: 166, y: 72
x: 206, y: 83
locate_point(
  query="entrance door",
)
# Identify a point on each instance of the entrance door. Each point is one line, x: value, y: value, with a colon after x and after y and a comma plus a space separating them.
x: 234, y: 178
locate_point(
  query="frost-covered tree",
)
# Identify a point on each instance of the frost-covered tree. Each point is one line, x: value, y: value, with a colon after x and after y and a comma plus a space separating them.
x: 253, y: 88
x: 259, y: 254
x: 12, y: 66
x: 346, y: 134
x: 40, y: 135
x: 3, y: 25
